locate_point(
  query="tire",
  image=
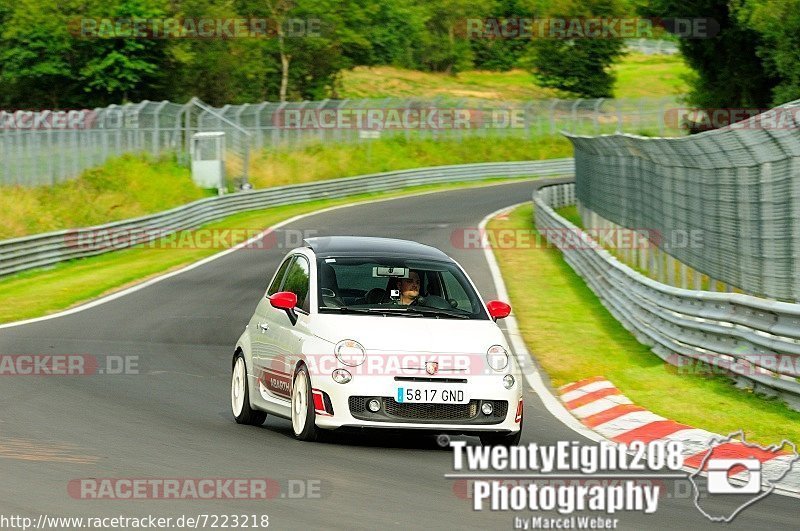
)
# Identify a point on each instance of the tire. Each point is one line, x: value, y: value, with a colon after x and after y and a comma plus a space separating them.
x: 502, y: 439
x: 303, y: 414
x: 240, y: 395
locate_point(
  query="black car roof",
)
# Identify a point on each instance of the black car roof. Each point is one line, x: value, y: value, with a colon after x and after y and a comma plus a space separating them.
x: 330, y: 246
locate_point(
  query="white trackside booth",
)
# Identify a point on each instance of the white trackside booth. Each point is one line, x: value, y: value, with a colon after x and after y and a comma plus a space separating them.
x: 208, y: 159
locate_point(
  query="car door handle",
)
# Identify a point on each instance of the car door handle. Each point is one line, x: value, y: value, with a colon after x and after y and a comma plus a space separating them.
x: 264, y: 327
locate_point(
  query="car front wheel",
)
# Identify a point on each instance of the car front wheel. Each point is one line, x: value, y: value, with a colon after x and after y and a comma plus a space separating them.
x: 303, y: 414
x: 240, y: 395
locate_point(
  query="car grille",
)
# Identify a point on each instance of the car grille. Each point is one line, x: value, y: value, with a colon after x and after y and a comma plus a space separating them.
x: 431, y: 411
x: 393, y: 411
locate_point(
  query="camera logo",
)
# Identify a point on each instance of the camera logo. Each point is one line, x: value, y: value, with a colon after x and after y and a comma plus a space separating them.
x: 720, y: 469
x: 739, y: 474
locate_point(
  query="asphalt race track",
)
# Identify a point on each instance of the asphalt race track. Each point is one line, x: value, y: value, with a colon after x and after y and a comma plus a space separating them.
x: 173, y: 419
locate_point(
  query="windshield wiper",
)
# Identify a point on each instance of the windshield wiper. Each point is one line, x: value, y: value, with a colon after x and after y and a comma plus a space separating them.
x: 349, y: 309
x: 408, y: 311
x: 424, y: 310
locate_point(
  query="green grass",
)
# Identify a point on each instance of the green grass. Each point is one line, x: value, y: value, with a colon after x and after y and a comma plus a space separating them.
x: 125, y: 187
x: 638, y: 75
x: 327, y: 161
x: 570, y: 213
x: 392, y: 82
x: 573, y: 336
x: 135, y: 185
x: 43, y: 291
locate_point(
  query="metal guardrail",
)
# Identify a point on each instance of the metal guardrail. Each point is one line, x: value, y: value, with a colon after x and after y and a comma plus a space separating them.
x: 755, y: 340
x: 21, y: 254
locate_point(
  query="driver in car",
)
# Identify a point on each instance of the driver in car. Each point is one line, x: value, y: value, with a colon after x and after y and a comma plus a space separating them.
x: 409, y: 288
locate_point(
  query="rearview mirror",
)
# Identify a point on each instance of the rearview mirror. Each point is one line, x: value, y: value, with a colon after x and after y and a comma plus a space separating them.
x: 498, y: 309
x: 285, y: 300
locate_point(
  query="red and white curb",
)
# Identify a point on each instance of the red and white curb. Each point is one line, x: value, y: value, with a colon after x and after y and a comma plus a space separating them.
x: 601, y: 407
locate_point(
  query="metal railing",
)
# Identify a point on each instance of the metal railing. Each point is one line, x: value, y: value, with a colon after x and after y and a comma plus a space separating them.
x: 21, y: 254
x: 32, y: 156
x: 755, y: 340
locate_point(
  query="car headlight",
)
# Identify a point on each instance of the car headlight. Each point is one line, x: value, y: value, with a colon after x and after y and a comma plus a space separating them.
x: 497, y: 358
x: 350, y: 352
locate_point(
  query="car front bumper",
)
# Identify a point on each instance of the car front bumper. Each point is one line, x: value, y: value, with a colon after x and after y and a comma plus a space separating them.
x: 348, y: 404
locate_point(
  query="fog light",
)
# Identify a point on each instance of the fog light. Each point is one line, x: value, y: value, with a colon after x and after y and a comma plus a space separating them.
x: 508, y: 381
x: 341, y: 376
x: 374, y: 405
x: 487, y: 408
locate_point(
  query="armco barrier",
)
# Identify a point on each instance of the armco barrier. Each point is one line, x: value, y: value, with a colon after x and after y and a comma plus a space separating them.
x: 20, y: 254
x: 756, y: 340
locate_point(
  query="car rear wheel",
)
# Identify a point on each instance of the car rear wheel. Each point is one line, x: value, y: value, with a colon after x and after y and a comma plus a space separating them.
x: 303, y: 414
x: 240, y: 395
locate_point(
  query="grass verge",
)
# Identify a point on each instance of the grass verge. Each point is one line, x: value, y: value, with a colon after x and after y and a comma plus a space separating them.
x: 124, y: 187
x: 43, y: 291
x: 135, y: 185
x: 328, y: 161
x: 573, y: 336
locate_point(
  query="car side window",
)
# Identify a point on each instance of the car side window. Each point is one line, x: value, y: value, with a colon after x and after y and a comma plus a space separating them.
x: 298, y: 281
x: 456, y: 292
x: 275, y: 287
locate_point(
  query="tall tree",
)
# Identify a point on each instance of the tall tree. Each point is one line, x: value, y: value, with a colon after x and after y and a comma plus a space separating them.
x: 496, y: 52
x: 279, y: 11
x: 441, y: 48
x: 778, y: 23
x: 36, y: 54
x: 117, y: 68
x: 394, y: 30
x: 730, y: 72
x: 48, y: 60
x: 580, y: 65
x: 217, y: 70
x: 318, y: 39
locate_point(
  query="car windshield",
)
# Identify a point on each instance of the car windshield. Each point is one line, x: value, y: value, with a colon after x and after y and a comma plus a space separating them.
x: 393, y: 286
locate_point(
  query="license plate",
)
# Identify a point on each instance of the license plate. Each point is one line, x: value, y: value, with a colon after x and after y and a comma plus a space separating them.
x: 431, y: 395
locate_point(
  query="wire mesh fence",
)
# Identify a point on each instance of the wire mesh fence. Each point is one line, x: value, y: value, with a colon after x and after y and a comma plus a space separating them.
x: 45, y: 153
x: 739, y: 187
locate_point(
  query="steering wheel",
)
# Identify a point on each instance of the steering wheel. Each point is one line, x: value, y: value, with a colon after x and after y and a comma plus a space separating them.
x: 375, y: 296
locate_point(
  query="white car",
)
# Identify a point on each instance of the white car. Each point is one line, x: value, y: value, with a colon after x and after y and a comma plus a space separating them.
x: 358, y: 332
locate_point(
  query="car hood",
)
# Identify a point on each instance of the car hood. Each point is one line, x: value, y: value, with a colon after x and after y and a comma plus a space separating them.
x: 410, y: 334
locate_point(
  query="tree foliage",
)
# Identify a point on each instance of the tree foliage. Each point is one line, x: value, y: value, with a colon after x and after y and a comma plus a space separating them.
x: 503, y: 53
x: 730, y: 72
x: 579, y: 65
x: 778, y: 24
x: 47, y: 60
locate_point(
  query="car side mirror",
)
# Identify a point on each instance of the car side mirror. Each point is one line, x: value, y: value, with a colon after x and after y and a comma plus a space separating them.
x: 498, y: 309
x: 285, y: 300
